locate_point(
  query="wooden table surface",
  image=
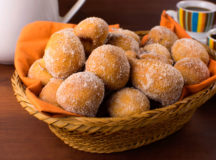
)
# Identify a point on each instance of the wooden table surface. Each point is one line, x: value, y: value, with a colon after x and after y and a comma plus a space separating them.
x: 23, y: 137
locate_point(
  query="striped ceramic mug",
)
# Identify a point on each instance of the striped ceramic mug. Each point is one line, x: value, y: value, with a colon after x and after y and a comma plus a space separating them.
x: 211, y: 39
x: 196, y: 16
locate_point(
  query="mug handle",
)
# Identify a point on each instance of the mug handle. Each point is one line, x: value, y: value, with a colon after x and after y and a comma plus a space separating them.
x: 72, y: 11
x: 173, y: 14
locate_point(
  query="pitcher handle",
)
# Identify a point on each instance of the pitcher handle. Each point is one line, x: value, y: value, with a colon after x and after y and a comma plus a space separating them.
x: 72, y: 11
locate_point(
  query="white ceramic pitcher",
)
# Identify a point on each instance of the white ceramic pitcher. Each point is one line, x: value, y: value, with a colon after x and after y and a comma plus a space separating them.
x: 15, y: 14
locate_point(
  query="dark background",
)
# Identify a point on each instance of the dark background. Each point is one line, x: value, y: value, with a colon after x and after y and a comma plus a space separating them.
x: 130, y: 14
x: 23, y: 137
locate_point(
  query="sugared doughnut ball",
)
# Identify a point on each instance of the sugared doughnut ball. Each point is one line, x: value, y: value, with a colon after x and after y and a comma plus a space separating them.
x: 193, y: 70
x: 39, y: 71
x: 129, y: 33
x: 64, y: 54
x: 130, y: 54
x: 153, y: 55
x: 48, y: 93
x: 187, y: 47
x: 163, y: 36
x: 124, y: 41
x: 159, y: 81
x: 127, y: 101
x: 158, y: 49
x: 110, y: 64
x: 81, y: 93
x: 92, y: 32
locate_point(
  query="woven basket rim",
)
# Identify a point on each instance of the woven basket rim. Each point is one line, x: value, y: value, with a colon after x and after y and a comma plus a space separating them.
x: 109, y: 125
x: 63, y: 122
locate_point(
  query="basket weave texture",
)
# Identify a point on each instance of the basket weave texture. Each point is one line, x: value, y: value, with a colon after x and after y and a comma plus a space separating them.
x: 106, y: 135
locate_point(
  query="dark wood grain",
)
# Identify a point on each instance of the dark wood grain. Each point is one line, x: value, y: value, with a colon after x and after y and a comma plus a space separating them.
x: 23, y: 137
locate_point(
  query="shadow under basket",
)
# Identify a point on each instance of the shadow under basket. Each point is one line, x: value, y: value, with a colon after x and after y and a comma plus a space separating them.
x: 107, y: 135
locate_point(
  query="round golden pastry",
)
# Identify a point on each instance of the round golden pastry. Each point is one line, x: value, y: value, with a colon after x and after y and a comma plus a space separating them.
x: 163, y: 36
x: 155, y: 56
x: 193, y: 70
x: 187, y: 47
x: 48, y: 93
x: 92, y: 32
x: 129, y: 33
x: 81, y: 93
x: 158, y: 49
x: 126, y: 102
x: 159, y: 81
x: 110, y: 64
x: 64, y: 54
x: 39, y: 71
x: 124, y: 41
x: 131, y: 54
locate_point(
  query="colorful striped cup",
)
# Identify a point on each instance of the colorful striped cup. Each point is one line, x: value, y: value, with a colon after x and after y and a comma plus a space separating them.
x: 211, y: 39
x: 196, y: 16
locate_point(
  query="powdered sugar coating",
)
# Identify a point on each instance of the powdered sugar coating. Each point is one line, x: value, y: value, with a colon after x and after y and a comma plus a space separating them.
x: 93, y: 32
x: 64, y: 54
x: 187, y: 47
x: 38, y: 71
x: 155, y: 56
x: 163, y: 36
x: 193, y: 70
x: 66, y: 31
x: 124, y: 41
x: 97, y: 28
x: 128, y: 33
x: 130, y: 54
x: 81, y: 93
x: 159, y: 81
x: 110, y: 64
x: 156, y: 48
x: 127, y: 101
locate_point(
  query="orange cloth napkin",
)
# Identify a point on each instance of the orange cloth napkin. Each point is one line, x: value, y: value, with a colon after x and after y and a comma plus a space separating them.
x: 30, y: 47
x: 168, y: 22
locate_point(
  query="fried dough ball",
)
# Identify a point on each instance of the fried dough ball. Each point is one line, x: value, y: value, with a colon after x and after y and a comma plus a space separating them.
x: 64, y: 54
x: 187, y: 47
x: 92, y: 32
x: 130, y: 54
x: 39, y: 71
x: 193, y: 70
x: 127, y: 101
x: 159, y: 81
x: 158, y: 49
x: 110, y: 64
x: 163, y: 36
x: 48, y: 93
x: 153, y: 55
x: 129, y: 33
x: 124, y: 41
x: 81, y: 93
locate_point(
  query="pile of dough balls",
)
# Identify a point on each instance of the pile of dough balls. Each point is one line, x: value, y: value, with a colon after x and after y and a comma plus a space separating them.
x: 88, y: 65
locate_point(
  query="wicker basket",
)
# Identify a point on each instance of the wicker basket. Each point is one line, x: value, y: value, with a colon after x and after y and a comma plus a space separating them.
x: 106, y: 135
